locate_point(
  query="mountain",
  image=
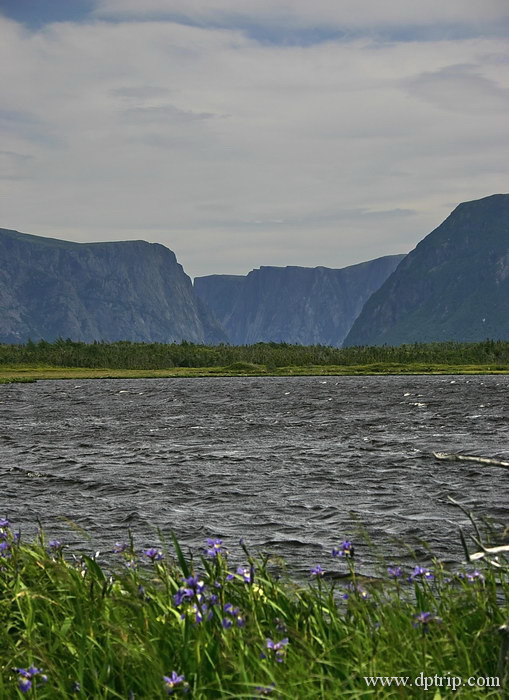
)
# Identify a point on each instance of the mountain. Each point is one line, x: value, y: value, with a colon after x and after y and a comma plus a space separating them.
x: 299, y: 305
x: 129, y: 290
x: 453, y: 286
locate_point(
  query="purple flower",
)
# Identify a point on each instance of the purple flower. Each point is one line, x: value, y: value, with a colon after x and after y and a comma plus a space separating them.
x: 55, y: 545
x: 421, y: 573
x: 423, y: 619
x: 215, y: 547
x: 246, y: 574
x: 153, y: 554
x: 4, y: 522
x: 394, y: 571
x: 278, y: 648
x: 345, y: 549
x: 227, y: 623
x: 317, y: 571
x: 25, y: 677
x: 120, y: 547
x: 194, y: 583
x: 265, y: 689
x: 174, y: 682
x: 472, y: 576
x: 24, y: 684
x: 355, y: 590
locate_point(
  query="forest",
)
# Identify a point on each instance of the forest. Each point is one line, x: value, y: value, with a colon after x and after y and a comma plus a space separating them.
x: 130, y: 355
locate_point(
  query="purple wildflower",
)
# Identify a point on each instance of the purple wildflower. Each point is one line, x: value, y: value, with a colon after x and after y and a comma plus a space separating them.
x: 355, y: 590
x: 24, y: 684
x: 278, y: 648
x: 265, y: 689
x: 194, y: 583
x: 246, y: 574
x: 174, y: 682
x: 227, y: 623
x: 317, y: 571
x: 472, y: 576
x: 55, y: 545
x: 215, y: 547
x: 26, y: 676
x: 120, y: 547
x: 395, y: 571
x: 4, y: 522
x: 423, y: 619
x: 153, y: 554
x: 420, y: 572
x: 345, y: 549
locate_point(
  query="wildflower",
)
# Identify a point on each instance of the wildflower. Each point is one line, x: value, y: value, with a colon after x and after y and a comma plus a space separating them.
x: 345, y: 549
x: 422, y: 573
x: 227, y: 623
x: 174, y: 682
x: 55, y: 546
x: 26, y: 676
x: 5, y: 548
x: 24, y: 684
x: 246, y: 574
x: 215, y: 547
x: 236, y: 614
x: 120, y: 547
x: 395, y: 571
x: 278, y: 648
x: 358, y: 591
x: 472, y: 576
x: 317, y: 571
x: 153, y: 554
x: 4, y: 522
x: 195, y: 584
x: 265, y: 689
x: 280, y: 625
x: 423, y: 619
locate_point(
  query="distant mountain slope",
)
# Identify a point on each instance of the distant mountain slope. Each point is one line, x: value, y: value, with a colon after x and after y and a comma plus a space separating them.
x: 293, y: 304
x: 129, y: 290
x: 453, y: 286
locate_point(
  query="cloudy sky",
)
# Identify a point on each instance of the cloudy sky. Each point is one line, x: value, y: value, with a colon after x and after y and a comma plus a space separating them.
x: 242, y: 133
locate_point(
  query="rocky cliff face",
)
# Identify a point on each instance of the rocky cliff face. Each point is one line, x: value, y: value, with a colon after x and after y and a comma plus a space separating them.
x: 453, y: 286
x: 293, y: 304
x: 130, y: 290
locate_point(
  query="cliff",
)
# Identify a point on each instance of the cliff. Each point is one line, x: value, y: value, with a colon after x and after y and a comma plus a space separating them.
x: 129, y: 290
x: 300, y: 305
x: 453, y: 286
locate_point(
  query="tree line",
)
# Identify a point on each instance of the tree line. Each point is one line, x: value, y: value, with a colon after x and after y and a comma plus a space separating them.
x: 131, y: 355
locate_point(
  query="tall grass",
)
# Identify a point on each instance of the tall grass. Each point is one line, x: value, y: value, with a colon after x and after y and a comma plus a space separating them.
x: 158, y: 622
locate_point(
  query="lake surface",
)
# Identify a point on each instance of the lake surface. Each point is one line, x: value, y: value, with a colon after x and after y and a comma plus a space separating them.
x: 292, y: 465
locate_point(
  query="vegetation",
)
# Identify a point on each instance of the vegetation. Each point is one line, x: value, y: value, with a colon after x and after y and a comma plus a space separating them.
x: 151, y: 623
x: 261, y: 358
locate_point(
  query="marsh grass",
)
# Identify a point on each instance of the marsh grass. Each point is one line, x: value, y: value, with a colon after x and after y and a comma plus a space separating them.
x: 118, y: 628
x: 30, y: 373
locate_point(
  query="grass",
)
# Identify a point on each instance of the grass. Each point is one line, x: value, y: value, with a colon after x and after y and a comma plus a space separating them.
x: 29, y: 373
x: 117, y: 629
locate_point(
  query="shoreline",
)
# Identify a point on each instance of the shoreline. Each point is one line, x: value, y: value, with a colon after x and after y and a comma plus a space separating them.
x: 29, y: 373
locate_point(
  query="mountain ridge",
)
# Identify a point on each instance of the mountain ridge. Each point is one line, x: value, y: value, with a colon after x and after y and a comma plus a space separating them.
x: 453, y: 286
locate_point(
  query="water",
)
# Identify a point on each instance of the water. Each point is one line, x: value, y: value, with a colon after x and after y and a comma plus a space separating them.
x: 292, y: 465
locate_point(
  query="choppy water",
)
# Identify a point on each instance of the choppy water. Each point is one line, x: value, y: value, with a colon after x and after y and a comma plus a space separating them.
x: 293, y: 465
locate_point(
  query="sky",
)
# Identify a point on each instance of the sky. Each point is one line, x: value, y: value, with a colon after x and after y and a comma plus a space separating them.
x: 242, y: 133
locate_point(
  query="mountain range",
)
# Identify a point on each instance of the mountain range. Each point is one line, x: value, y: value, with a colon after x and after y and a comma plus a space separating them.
x: 300, y: 305
x: 453, y: 286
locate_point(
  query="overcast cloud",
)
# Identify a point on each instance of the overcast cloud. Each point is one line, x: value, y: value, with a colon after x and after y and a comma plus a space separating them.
x: 242, y: 133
